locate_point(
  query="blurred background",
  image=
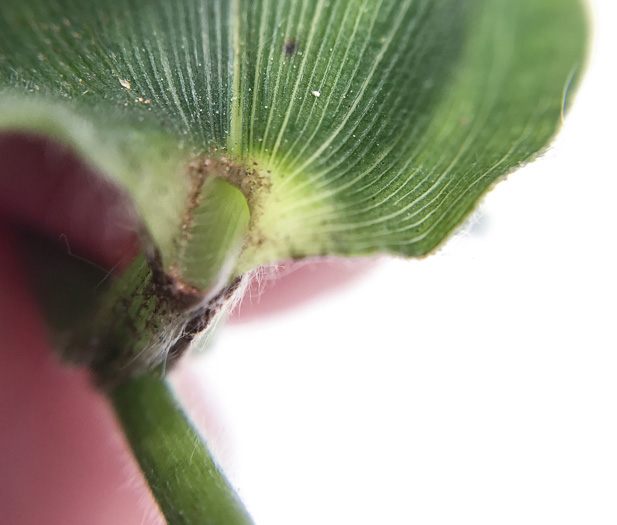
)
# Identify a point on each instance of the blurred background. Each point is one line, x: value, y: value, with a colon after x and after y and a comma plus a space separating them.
x: 475, y: 386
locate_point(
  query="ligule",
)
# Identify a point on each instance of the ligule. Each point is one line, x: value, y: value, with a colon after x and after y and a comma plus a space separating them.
x: 148, y: 317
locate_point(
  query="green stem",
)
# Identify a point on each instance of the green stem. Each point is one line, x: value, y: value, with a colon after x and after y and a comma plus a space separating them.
x: 187, y: 484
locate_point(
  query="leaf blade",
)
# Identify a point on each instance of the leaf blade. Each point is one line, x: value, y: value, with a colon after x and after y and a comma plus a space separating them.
x: 375, y: 126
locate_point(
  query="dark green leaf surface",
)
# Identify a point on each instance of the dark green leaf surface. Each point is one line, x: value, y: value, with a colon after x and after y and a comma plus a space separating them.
x: 365, y: 126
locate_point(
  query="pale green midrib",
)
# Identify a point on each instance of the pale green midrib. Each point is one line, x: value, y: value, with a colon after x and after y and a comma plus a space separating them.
x: 262, y: 33
x: 234, y: 140
x: 203, y: 24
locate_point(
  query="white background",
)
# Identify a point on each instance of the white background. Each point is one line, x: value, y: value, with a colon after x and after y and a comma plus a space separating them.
x: 476, y: 386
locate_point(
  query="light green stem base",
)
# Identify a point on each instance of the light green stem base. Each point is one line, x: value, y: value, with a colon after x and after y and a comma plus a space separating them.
x: 185, y: 481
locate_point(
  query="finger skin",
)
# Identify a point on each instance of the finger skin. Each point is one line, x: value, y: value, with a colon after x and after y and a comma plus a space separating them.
x: 62, y: 457
x: 63, y: 460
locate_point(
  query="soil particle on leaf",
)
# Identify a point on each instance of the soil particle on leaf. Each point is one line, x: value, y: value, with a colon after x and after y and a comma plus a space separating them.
x: 290, y: 47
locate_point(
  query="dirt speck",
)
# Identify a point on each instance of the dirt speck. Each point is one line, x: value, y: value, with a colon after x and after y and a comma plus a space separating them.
x: 290, y: 47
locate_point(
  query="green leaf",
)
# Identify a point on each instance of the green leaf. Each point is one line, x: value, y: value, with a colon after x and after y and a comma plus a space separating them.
x: 352, y: 127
